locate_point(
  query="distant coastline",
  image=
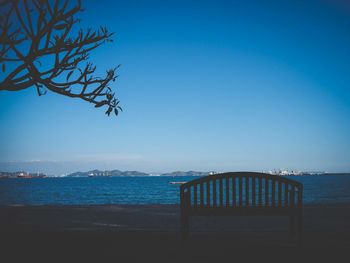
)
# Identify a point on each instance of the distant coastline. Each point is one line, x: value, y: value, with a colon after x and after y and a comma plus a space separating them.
x: 114, y: 173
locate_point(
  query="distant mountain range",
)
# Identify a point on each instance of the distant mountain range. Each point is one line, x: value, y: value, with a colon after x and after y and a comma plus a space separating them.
x: 134, y: 173
x: 107, y: 173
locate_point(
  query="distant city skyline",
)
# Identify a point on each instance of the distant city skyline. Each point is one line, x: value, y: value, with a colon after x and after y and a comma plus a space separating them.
x: 209, y: 85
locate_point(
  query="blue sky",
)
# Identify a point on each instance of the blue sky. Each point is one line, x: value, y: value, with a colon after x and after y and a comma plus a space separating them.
x: 207, y: 85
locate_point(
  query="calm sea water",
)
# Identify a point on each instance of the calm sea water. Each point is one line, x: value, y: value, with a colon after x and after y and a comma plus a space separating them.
x: 323, y: 189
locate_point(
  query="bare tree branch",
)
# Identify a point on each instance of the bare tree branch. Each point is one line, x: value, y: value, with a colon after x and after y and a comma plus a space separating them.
x: 37, y: 50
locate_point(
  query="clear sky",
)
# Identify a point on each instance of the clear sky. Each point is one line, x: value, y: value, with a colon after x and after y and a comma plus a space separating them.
x: 207, y: 85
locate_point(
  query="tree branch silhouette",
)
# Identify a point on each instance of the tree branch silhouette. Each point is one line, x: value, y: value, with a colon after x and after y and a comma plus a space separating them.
x: 37, y: 50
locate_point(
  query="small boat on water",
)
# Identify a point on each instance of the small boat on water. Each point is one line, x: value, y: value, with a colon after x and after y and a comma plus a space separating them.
x: 177, y: 182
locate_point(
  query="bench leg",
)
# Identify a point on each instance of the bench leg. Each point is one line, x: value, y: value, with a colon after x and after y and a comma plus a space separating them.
x: 300, y: 229
x: 184, y: 226
x: 291, y: 227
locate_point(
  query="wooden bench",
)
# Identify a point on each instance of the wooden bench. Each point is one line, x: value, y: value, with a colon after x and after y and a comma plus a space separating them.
x: 242, y: 194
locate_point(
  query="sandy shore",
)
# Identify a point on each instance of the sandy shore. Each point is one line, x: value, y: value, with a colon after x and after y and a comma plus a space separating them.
x: 132, y: 231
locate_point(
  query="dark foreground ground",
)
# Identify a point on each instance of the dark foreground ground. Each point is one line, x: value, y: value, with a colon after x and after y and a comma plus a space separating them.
x: 150, y: 233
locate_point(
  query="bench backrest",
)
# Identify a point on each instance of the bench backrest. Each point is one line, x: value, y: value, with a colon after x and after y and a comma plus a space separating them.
x: 241, y: 189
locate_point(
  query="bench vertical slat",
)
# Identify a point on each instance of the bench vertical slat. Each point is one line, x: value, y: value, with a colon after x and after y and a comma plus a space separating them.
x: 195, y: 204
x: 247, y: 191
x: 292, y: 196
x: 214, y: 193
x: 201, y: 195
x: 240, y: 201
x: 286, y: 201
x: 260, y: 191
x: 279, y: 194
x: 227, y: 191
x: 266, y: 192
x: 273, y: 190
x: 300, y: 196
x: 208, y: 193
x: 188, y: 197
x: 234, y: 191
x: 253, y: 191
x: 182, y: 198
x: 221, y: 194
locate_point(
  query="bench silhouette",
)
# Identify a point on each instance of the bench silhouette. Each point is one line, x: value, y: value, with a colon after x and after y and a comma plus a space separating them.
x: 242, y: 194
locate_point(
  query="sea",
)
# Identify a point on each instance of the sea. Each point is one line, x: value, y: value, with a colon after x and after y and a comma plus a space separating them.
x: 318, y: 190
